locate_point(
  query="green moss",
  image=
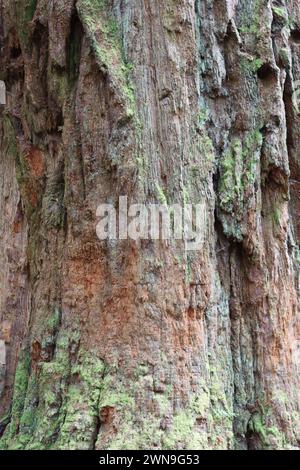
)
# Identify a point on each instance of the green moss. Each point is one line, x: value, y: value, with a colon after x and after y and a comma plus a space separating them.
x: 4, y: 421
x: 27, y: 183
x: 142, y: 167
x: 251, y: 65
x: 20, y: 388
x: 137, y: 429
x: 186, y: 195
x: 116, y: 394
x: 161, y: 195
x: 279, y: 11
x: 221, y: 409
x: 201, y: 162
x: 238, y: 172
x: 257, y: 426
x: 230, y: 186
x: 18, y: 401
x: 54, y: 321
x: 204, y: 407
x: 141, y: 370
x: 200, y: 404
x: 276, y: 216
x: 251, y: 155
x: 203, y: 116
x: 105, y: 39
x: 59, y: 82
x: 10, y: 142
x: 205, y: 147
x: 130, y: 437
x: 25, y: 10
x: 251, y: 22
x: 285, y: 56
x: 80, y: 407
x: 28, y: 418
x: 263, y: 425
x: 182, y: 430
x: 63, y: 402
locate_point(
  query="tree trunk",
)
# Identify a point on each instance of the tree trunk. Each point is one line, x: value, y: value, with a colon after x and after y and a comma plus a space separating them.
x: 142, y: 344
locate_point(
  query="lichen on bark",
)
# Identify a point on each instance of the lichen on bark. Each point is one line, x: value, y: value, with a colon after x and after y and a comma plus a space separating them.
x: 141, y: 345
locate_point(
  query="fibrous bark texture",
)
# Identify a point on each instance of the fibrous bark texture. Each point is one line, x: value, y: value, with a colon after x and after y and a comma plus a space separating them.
x: 141, y: 344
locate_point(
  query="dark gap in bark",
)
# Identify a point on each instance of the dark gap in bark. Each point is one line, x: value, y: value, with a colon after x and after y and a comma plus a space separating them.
x: 264, y: 131
x: 291, y: 98
x: 290, y: 117
x: 15, y: 52
x: 266, y: 73
x: 165, y: 94
x: 74, y: 49
x: 60, y: 119
x: 276, y: 121
x: 253, y: 440
x: 11, y: 61
x: 3, y: 424
x: 96, y: 432
x: 216, y: 181
x: 231, y: 33
x: 40, y: 42
x: 295, y: 35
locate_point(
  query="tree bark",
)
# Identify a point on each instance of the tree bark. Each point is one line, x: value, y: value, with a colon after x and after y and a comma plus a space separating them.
x: 141, y: 344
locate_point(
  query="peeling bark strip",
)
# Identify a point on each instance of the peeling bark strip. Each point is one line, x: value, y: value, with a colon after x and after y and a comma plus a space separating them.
x: 142, y: 345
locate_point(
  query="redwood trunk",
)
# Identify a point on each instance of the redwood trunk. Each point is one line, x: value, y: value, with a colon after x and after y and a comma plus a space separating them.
x: 140, y: 344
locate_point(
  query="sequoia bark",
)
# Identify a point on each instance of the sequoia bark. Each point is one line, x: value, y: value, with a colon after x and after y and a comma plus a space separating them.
x: 124, y: 345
